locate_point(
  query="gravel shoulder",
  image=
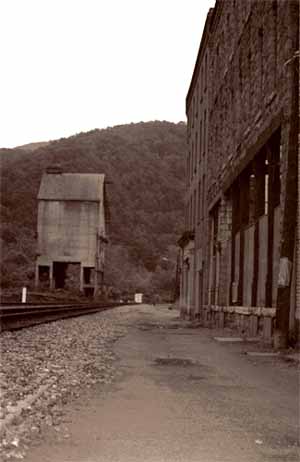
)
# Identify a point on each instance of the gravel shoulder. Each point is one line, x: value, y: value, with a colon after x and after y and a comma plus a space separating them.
x: 45, y: 367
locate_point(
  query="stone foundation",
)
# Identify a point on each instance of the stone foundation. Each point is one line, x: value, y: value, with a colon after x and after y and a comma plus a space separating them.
x: 247, y: 321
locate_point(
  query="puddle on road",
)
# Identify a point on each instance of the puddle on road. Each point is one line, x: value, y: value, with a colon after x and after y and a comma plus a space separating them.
x: 174, y: 362
x: 152, y: 326
x: 270, y: 354
x: 196, y: 378
x: 281, y: 454
x: 228, y: 339
x: 147, y: 327
x: 193, y: 366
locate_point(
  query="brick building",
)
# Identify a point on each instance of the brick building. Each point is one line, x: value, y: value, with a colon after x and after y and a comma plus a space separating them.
x: 194, y: 241
x: 241, y: 201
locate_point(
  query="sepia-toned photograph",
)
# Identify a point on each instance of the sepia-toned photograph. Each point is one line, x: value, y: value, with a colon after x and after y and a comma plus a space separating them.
x: 149, y: 231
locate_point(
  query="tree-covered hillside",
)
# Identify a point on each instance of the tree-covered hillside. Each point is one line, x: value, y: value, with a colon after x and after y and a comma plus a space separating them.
x: 144, y: 164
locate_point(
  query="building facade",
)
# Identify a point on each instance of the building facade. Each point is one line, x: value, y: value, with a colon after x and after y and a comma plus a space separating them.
x: 71, y: 231
x: 193, y: 242
x: 246, y: 243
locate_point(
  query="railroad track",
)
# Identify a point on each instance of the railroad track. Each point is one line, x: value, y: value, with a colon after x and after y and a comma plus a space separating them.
x: 17, y: 316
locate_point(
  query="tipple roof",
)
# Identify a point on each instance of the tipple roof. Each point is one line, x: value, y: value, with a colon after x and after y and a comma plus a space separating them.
x: 72, y: 186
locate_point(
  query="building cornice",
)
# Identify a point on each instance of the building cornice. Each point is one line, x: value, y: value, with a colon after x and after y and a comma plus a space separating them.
x: 204, y: 41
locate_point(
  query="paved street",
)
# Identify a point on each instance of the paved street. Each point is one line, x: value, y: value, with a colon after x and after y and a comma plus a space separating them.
x: 180, y: 396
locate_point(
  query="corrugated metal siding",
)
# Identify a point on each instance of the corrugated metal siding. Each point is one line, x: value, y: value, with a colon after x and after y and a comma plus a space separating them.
x: 68, y: 229
x: 72, y: 186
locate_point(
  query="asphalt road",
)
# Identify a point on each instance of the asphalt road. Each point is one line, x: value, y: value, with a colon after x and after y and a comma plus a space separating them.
x: 181, y: 396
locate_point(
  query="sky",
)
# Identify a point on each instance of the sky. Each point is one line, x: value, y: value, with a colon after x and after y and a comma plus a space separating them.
x: 70, y: 66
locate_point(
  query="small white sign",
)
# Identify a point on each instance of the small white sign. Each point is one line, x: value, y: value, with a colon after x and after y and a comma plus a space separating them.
x: 138, y: 298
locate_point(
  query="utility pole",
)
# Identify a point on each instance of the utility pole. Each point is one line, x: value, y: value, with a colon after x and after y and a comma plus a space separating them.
x: 298, y: 231
x: 290, y: 205
x: 298, y: 206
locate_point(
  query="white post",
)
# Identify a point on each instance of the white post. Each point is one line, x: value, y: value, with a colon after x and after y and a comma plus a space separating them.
x: 24, y: 294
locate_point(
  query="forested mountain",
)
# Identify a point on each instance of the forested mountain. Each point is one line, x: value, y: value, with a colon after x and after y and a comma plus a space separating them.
x: 144, y: 164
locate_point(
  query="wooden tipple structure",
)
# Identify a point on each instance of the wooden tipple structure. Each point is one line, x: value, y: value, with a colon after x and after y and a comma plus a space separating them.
x: 71, y: 229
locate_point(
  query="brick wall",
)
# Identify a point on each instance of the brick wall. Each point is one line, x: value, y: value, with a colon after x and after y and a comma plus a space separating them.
x: 250, y: 95
x: 249, y: 45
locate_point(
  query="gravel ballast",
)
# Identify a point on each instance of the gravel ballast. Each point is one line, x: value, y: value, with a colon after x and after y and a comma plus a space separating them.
x: 45, y: 367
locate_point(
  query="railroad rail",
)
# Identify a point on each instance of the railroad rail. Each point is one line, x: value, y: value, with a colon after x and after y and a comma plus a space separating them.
x: 17, y: 316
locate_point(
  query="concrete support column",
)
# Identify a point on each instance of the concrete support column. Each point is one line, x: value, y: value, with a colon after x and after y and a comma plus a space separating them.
x: 182, y: 284
x: 268, y: 328
x: 184, y: 289
x: 96, y: 281
x: 191, y: 305
x: 211, y: 263
x: 217, y: 277
x: 189, y: 289
x: 221, y: 319
x: 253, y: 325
x: 181, y: 287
